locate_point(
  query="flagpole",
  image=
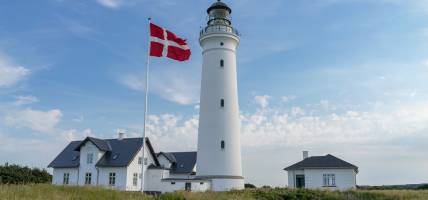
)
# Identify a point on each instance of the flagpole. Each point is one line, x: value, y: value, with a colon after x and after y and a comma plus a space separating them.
x: 145, y: 106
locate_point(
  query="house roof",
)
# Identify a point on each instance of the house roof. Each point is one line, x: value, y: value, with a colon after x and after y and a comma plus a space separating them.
x: 322, y: 162
x: 121, y: 152
x: 182, y: 162
x: 101, y: 144
x: 68, y: 158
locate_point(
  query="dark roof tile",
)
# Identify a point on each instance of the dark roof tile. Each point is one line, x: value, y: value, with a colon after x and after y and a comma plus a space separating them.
x: 321, y: 162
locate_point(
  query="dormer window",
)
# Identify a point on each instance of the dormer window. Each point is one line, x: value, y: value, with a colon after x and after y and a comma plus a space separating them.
x: 89, y: 158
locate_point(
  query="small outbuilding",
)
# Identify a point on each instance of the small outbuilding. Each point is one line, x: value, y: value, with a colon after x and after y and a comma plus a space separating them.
x: 322, y: 172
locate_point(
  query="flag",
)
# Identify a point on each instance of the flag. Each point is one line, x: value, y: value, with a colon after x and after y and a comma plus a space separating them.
x: 165, y: 43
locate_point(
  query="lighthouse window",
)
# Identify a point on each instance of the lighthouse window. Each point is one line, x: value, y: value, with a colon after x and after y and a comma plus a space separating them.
x: 222, y: 103
x: 222, y: 144
x: 221, y: 63
x: 221, y: 43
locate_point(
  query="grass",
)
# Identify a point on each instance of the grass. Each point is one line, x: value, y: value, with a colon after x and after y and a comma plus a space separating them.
x: 50, y: 192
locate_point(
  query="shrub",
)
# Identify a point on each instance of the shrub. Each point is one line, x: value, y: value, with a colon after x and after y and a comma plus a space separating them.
x: 15, y: 174
x: 249, y: 185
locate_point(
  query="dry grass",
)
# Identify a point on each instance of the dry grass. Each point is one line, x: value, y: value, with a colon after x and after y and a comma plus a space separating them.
x: 50, y: 192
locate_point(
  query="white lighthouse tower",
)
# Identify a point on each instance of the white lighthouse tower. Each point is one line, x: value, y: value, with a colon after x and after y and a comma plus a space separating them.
x: 219, y: 147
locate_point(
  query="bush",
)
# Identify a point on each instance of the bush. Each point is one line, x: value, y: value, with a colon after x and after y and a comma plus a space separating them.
x: 423, y: 187
x: 249, y: 185
x: 15, y: 174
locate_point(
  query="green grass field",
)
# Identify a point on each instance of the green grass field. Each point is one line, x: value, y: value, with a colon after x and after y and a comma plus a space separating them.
x: 48, y: 192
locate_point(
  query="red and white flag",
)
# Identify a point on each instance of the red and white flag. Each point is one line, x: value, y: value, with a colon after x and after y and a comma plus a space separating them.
x: 165, y: 43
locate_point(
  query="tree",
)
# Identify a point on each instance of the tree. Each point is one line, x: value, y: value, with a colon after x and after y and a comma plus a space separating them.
x: 15, y: 174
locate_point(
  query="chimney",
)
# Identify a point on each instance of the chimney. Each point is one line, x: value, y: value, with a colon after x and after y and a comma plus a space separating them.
x: 120, y: 135
x: 305, y: 154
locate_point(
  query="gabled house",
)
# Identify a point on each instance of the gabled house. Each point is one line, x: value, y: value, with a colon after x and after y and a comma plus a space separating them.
x: 117, y: 164
x: 322, y: 172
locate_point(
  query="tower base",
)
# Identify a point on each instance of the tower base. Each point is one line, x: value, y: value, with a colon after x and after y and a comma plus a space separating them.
x: 227, y: 184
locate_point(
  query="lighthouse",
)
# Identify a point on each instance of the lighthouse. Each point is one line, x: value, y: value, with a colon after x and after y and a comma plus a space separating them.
x: 219, y: 147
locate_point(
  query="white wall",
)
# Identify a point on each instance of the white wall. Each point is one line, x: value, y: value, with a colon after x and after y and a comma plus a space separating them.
x: 227, y: 184
x: 163, y: 161
x: 121, y: 177
x: 345, y: 178
x: 155, y: 182
x: 58, y: 176
x: 291, y: 177
x: 134, y: 167
x: 218, y: 124
x: 84, y: 167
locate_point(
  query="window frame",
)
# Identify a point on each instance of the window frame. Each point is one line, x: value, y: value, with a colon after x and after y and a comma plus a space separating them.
x: 66, y: 178
x: 89, y: 158
x: 135, y: 179
x: 112, y: 179
x: 88, y: 178
x: 329, y: 180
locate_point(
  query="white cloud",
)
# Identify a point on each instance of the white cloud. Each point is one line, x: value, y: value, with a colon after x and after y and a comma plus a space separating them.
x: 73, y: 134
x: 23, y: 100
x: 263, y: 101
x: 286, y: 99
x: 10, y: 73
x: 276, y: 126
x: 133, y: 82
x: 36, y: 120
x: 168, y: 85
x: 79, y: 119
x: 170, y: 132
x: 110, y: 3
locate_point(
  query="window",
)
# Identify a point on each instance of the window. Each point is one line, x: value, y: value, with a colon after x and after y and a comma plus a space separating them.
x: 140, y: 160
x: 172, y: 183
x: 222, y: 103
x: 201, y: 183
x: 221, y: 63
x: 222, y: 144
x: 66, y: 178
x: 146, y: 161
x: 329, y: 180
x: 221, y: 43
x: 112, y: 178
x: 135, y: 179
x: 89, y: 158
x: 88, y: 177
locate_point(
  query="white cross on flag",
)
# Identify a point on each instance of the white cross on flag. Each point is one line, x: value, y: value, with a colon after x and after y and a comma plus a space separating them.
x: 165, y: 43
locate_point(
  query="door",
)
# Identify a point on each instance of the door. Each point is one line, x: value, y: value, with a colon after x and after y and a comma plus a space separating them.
x: 188, y: 187
x: 300, y: 181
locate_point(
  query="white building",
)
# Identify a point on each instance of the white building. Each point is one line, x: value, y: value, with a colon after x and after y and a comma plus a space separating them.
x: 322, y: 172
x: 117, y: 164
x: 219, y: 149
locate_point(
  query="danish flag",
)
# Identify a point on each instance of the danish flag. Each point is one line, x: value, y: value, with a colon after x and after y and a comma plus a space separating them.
x: 165, y: 43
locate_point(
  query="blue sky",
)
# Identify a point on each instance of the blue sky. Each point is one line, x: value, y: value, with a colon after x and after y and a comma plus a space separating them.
x: 347, y: 77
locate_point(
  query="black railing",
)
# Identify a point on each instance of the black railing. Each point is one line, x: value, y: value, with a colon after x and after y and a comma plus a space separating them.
x: 218, y: 29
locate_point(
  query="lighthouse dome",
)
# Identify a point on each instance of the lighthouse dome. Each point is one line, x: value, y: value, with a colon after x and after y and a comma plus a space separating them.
x: 219, y: 5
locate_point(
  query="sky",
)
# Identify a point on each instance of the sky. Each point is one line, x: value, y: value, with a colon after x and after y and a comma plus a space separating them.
x: 341, y: 77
